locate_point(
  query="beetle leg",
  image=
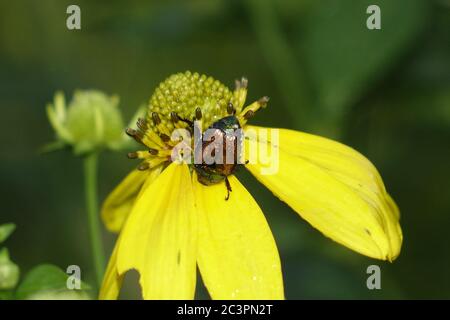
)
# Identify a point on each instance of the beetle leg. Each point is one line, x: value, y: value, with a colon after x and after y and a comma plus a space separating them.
x: 175, y: 118
x: 227, y: 184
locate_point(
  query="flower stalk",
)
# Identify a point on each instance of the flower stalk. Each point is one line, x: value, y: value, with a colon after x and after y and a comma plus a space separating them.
x: 90, y: 163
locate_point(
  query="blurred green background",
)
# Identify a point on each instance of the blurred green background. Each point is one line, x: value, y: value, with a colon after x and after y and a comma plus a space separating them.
x: 384, y: 92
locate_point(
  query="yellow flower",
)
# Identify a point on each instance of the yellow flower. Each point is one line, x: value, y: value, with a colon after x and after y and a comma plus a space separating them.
x: 173, y: 216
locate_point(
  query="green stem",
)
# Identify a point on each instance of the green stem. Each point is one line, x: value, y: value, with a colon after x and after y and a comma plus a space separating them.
x: 90, y: 177
x: 286, y: 67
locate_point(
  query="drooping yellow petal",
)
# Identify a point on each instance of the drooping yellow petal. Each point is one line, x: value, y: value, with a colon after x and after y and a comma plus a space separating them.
x: 334, y: 188
x: 159, y: 238
x: 237, y: 255
x: 118, y: 204
x: 112, y: 281
x: 393, y: 206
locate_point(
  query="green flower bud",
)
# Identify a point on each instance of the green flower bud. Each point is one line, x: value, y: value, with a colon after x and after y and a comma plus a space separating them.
x: 6, y: 230
x: 9, y: 271
x: 91, y: 121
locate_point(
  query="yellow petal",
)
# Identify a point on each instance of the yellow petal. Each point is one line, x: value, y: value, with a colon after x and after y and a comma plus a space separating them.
x: 159, y: 238
x: 237, y: 255
x: 336, y: 189
x: 112, y: 281
x: 118, y: 204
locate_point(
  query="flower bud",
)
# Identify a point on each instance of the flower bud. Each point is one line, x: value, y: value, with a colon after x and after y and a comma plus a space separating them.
x: 91, y: 121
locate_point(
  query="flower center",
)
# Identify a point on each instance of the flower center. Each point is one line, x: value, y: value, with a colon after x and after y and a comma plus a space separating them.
x: 180, y: 100
x: 184, y: 93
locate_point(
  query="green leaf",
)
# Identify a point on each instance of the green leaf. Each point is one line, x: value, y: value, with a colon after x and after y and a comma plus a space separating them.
x: 6, y: 230
x: 49, y: 282
x: 6, y: 295
x: 9, y: 271
x: 345, y: 58
x: 4, y: 255
x: 52, y: 146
